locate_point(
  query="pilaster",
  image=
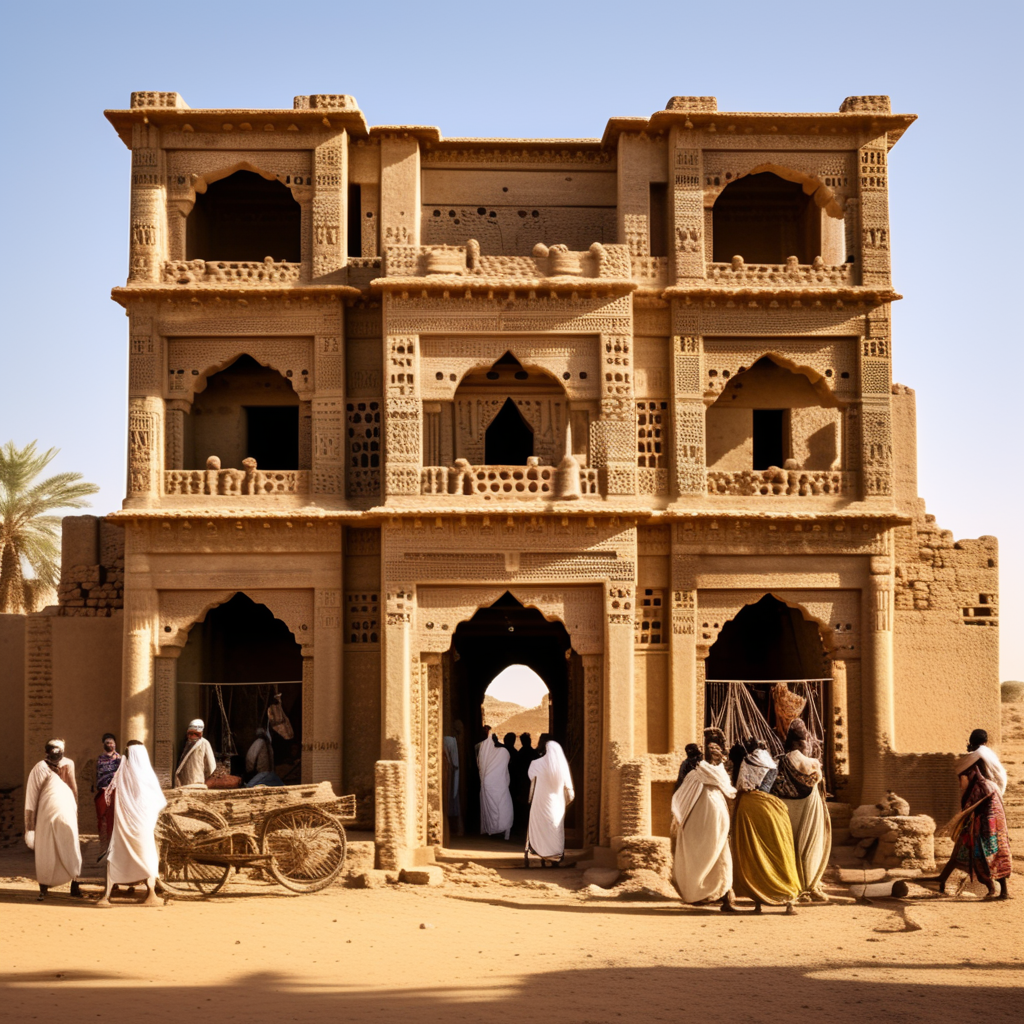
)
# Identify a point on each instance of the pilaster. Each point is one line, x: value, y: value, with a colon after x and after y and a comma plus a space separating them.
x: 399, y: 190
x: 330, y: 207
x: 877, y: 688
x: 326, y: 727
x: 148, y: 237
x: 686, y: 205
x: 689, y: 452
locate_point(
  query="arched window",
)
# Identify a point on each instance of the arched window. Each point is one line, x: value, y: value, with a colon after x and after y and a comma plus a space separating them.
x: 765, y: 219
x: 509, y: 438
x: 244, y: 218
x: 245, y: 411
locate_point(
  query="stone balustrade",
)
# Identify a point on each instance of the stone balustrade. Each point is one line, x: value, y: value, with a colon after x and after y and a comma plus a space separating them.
x: 599, y: 261
x: 236, y: 482
x: 221, y: 272
x: 818, y: 274
x: 779, y: 482
x: 500, y: 481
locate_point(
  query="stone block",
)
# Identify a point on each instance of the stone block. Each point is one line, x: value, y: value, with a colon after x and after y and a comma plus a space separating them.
x: 604, y: 877
x: 367, y: 880
x: 422, y: 876
x: 639, y: 853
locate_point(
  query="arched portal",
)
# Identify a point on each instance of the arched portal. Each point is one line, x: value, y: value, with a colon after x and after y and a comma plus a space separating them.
x: 765, y: 219
x: 244, y: 217
x: 233, y: 666
x: 495, y: 638
x: 244, y: 411
x: 769, y: 665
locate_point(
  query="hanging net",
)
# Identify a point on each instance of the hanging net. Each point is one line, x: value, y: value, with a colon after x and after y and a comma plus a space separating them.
x: 732, y: 708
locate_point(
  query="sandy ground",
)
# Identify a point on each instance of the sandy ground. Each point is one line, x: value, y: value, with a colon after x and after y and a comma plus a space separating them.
x: 533, y: 946
x: 474, y: 951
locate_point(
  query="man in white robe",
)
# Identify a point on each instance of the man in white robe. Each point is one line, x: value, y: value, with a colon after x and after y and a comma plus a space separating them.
x: 496, y: 811
x: 700, y: 815
x: 51, y: 820
x: 551, y: 792
x: 197, y: 762
x: 132, y: 856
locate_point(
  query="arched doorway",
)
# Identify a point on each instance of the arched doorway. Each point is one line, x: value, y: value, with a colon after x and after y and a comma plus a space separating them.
x: 234, y: 665
x: 245, y: 218
x: 768, y: 666
x: 503, y: 635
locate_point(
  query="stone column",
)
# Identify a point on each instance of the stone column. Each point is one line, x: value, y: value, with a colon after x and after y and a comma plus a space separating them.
x: 141, y: 624
x: 875, y: 454
x: 878, y: 722
x: 175, y: 411
x: 147, y: 241
x: 145, y: 450
x: 593, y: 785
x: 619, y: 685
x: 327, y: 686
x: 396, y: 712
x: 873, y: 196
x: 686, y: 206
x: 689, y: 454
x: 165, y: 681
x: 433, y: 739
x: 403, y: 427
x: 399, y: 190
x: 613, y: 436
x: 327, y: 407
x: 684, y: 726
x: 330, y: 208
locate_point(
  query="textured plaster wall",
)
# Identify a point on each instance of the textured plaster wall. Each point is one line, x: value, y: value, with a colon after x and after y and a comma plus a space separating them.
x: 12, y: 699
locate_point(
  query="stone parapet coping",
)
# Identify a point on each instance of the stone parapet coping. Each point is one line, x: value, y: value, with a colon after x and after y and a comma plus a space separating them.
x: 123, y: 294
x: 470, y: 283
x: 519, y: 509
x: 701, y: 289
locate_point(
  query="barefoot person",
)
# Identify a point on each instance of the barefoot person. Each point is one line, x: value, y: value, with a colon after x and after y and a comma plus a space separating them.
x: 51, y: 820
x: 197, y: 762
x: 700, y: 815
x: 551, y: 792
x: 764, y: 862
x: 133, y: 856
x: 981, y: 845
x: 496, y: 812
x: 800, y: 786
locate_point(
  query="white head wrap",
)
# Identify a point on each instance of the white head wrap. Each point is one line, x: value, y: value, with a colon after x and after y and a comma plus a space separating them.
x: 197, y: 724
x: 991, y: 759
x: 56, y: 743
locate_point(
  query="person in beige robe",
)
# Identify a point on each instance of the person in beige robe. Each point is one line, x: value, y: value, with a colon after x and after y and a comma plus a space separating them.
x: 197, y: 762
x: 51, y: 820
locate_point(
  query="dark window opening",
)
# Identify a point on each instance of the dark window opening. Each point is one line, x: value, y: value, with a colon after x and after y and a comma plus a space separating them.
x: 769, y: 439
x: 272, y: 435
x: 244, y: 218
x: 355, y: 225
x: 765, y: 219
x: 658, y: 223
x: 509, y: 439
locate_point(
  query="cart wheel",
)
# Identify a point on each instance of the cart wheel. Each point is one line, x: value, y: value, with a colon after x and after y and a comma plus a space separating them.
x: 207, y: 878
x: 178, y: 834
x: 306, y: 847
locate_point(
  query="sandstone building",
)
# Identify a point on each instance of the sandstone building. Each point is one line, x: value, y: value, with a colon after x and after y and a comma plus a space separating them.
x: 405, y: 410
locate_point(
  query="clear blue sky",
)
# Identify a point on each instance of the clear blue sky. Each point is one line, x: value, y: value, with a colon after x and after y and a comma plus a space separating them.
x: 534, y: 69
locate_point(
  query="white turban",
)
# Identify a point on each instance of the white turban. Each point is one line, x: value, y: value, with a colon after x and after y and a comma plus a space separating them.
x: 59, y: 744
x: 197, y: 724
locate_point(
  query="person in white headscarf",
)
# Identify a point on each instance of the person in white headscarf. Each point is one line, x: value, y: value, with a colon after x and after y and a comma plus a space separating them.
x: 51, y: 820
x: 978, y: 743
x: 132, y: 856
x: 551, y: 792
x: 197, y: 762
x: 496, y: 812
x: 700, y: 815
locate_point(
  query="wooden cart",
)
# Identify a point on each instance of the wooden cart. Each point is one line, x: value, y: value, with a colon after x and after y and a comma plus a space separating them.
x: 295, y: 833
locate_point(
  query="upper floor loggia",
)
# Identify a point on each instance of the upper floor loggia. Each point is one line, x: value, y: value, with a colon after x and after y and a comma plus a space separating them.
x: 693, y: 197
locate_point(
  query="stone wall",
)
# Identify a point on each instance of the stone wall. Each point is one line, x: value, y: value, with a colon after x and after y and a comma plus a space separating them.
x: 12, y: 698
x: 92, y: 567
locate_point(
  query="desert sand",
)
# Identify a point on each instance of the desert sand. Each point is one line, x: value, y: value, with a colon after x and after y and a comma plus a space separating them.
x: 532, y: 946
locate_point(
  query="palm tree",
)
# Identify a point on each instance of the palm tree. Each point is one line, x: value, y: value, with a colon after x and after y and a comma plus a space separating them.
x: 28, y: 535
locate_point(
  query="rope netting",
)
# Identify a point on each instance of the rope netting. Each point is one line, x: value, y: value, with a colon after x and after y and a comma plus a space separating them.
x: 731, y: 707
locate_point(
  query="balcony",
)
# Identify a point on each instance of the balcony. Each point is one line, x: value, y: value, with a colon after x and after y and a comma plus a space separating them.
x: 791, y: 274
x: 776, y: 482
x: 224, y: 272
x: 524, y: 482
x: 248, y: 481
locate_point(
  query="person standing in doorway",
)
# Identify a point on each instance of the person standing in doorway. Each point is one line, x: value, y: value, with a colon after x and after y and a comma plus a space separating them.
x: 495, y: 799
x: 197, y: 762
x: 551, y: 792
x: 106, y: 766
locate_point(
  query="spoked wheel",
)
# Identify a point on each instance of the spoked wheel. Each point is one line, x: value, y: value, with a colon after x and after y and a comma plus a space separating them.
x: 306, y: 847
x: 182, y: 835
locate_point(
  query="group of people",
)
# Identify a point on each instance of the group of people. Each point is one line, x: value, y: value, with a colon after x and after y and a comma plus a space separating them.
x: 523, y: 791
x: 128, y: 802
x: 749, y: 825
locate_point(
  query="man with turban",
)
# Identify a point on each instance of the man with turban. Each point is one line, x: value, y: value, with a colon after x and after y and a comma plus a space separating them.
x: 197, y: 762
x: 51, y: 820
